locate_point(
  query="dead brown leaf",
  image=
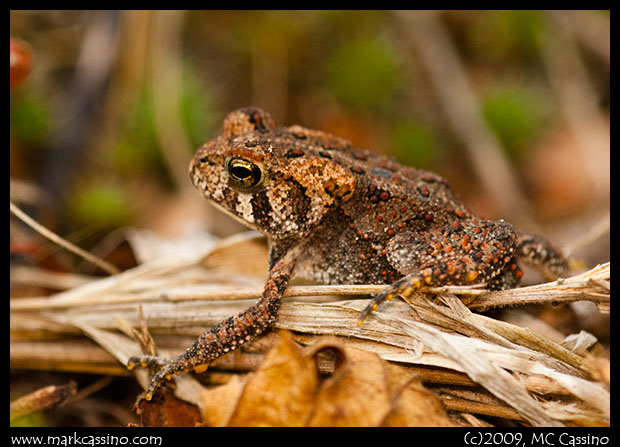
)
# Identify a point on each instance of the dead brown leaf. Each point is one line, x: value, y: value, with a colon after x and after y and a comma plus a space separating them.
x: 279, y: 393
x: 416, y: 406
x: 286, y: 390
x: 165, y: 410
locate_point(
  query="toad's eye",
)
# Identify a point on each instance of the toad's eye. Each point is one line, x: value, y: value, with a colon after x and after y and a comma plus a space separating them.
x: 244, y: 174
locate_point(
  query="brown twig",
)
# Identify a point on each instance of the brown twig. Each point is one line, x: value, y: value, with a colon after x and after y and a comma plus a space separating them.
x: 41, y: 399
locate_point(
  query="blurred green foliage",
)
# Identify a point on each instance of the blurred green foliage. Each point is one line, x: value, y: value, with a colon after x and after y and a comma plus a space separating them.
x: 137, y: 148
x: 363, y: 74
x: 515, y: 115
x: 509, y: 36
x: 30, y: 118
x: 196, y: 108
x: 521, y: 30
x: 414, y: 144
x: 36, y: 419
x: 105, y: 205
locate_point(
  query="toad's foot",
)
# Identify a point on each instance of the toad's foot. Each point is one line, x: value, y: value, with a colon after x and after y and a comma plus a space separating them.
x: 213, y: 344
x: 408, y: 285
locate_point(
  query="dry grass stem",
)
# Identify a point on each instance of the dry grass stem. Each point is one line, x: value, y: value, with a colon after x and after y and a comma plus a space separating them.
x: 105, y: 266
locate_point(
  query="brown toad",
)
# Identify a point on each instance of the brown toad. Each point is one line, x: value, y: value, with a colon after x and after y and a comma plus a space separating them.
x: 337, y: 214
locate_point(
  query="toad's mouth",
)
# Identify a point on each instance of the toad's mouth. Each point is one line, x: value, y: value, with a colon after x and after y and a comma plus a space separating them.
x: 247, y: 223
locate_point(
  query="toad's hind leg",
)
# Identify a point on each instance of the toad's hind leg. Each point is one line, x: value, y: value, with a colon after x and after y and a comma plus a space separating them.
x: 227, y: 335
x: 471, y: 253
x: 538, y: 252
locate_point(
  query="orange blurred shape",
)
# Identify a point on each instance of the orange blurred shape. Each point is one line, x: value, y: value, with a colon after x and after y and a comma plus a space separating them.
x: 21, y: 62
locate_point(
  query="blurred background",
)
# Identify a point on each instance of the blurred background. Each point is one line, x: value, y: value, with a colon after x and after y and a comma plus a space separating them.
x: 512, y: 107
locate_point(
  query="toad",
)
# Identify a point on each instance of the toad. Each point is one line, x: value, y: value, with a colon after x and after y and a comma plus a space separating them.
x: 337, y: 214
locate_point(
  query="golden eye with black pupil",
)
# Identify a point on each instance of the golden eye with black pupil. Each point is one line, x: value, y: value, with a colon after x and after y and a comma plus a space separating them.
x: 244, y: 174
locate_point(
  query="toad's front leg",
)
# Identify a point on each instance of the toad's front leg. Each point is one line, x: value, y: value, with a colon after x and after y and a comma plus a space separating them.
x: 229, y: 334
